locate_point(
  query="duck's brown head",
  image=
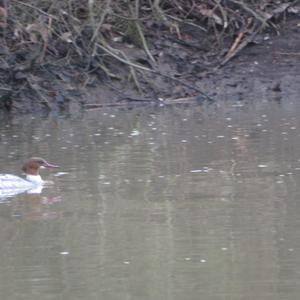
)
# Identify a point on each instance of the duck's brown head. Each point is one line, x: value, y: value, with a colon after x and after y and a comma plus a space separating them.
x: 33, y: 164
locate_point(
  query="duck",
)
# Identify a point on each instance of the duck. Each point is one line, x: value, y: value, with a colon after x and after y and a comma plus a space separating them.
x: 11, y: 184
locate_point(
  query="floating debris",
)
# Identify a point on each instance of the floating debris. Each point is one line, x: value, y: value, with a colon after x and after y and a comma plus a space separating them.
x: 58, y: 174
x: 262, y: 166
x: 135, y: 133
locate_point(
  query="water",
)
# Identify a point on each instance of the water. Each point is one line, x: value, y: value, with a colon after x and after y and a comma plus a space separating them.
x: 196, y: 202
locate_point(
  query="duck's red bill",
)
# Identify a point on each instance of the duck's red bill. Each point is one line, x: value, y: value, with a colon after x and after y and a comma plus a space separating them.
x: 47, y: 165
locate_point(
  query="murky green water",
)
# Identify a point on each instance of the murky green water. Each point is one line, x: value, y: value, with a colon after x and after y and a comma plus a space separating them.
x: 156, y: 203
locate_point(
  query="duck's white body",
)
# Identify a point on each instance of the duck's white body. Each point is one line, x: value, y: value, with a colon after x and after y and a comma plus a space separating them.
x: 8, y: 181
x: 11, y: 185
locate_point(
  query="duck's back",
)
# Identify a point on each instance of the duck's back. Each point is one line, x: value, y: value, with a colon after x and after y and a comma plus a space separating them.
x: 8, y: 181
x: 11, y: 185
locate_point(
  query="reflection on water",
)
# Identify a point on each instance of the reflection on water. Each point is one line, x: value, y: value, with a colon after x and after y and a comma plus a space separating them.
x: 157, y: 203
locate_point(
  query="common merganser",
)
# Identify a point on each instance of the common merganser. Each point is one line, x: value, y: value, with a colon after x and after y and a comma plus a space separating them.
x: 11, y: 185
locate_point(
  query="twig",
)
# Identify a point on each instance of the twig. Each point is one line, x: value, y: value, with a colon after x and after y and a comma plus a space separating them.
x: 125, y: 97
x: 186, y: 22
x: 236, y: 49
x: 250, y: 10
x: 95, y: 106
x: 127, y: 62
x: 180, y: 100
x: 33, y: 86
x: 141, y: 34
x: 133, y: 74
x: 185, y: 43
x: 35, y: 8
x: 235, y: 44
x: 102, y: 18
x: 110, y: 51
x: 289, y: 53
x: 184, y: 84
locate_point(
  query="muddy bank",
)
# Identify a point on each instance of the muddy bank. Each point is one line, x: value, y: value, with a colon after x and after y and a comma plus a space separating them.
x: 178, y: 64
x: 268, y: 68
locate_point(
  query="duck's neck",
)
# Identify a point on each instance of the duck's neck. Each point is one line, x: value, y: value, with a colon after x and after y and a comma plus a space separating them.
x: 36, y: 179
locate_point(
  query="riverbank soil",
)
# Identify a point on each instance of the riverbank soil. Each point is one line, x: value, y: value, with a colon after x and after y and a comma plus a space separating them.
x: 268, y: 69
x: 56, y: 63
